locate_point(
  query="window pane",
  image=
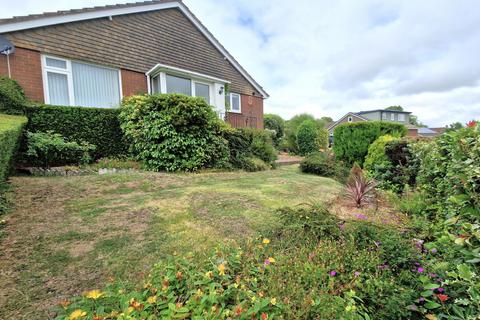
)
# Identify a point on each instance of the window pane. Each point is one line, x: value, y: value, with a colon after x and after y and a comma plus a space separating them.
x: 235, y: 102
x: 401, y: 117
x: 156, y: 84
x: 392, y: 116
x: 202, y: 90
x: 56, y: 63
x: 95, y: 86
x: 179, y: 85
x: 58, y: 89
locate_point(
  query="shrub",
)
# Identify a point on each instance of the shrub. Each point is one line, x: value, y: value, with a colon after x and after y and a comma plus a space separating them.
x: 12, y: 97
x: 276, y: 124
x: 96, y: 126
x: 48, y: 149
x: 359, y: 188
x: 322, y: 139
x: 247, y: 146
x: 325, y: 165
x: 10, y: 132
x: 173, y: 132
x: 310, y: 269
x: 307, y: 138
x: 352, y: 140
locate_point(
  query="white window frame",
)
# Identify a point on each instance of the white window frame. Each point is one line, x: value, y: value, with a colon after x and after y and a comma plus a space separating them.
x: 210, y: 86
x: 68, y: 73
x: 239, y: 102
x: 350, y: 119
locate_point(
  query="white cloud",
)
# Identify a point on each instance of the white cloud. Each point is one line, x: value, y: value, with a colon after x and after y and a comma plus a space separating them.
x: 328, y: 58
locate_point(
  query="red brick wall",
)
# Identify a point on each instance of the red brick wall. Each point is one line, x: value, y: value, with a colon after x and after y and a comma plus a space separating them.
x: 412, y: 132
x: 252, y: 113
x: 26, y: 69
x: 133, y: 83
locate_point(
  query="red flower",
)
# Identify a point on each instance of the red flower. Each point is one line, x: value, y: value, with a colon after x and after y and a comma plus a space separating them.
x: 442, y: 297
x: 471, y: 123
x: 264, y: 316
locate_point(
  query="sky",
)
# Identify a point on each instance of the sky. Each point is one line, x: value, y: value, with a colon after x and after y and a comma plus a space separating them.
x: 328, y: 58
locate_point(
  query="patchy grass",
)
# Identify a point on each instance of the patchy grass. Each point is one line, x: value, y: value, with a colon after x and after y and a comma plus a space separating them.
x: 69, y: 234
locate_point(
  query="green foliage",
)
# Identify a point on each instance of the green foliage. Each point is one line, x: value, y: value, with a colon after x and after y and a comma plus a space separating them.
x: 322, y: 139
x: 96, y: 126
x: 250, y: 149
x: 173, y: 132
x: 48, y: 149
x: 395, y: 108
x: 276, y: 124
x: 12, y: 97
x: 325, y: 165
x: 352, y: 140
x: 377, y: 164
x: 307, y: 138
x: 10, y: 133
x: 314, y: 267
x: 115, y: 163
x: 291, y: 127
x: 449, y: 173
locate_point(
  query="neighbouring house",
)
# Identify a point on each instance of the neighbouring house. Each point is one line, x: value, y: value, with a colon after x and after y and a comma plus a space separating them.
x: 95, y: 56
x: 384, y: 115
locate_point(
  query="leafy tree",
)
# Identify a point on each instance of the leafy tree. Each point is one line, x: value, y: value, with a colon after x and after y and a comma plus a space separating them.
x: 454, y: 126
x: 307, y: 137
x: 395, y: 108
x: 275, y: 123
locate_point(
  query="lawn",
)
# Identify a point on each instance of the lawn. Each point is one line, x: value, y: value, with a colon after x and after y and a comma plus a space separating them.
x: 69, y: 234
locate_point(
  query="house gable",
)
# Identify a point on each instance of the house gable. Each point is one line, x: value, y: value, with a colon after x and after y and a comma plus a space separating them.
x: 345, y: 119
x: 136, y: 41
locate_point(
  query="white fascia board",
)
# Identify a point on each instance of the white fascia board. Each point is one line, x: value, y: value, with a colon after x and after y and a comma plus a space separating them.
x: 47, y: 21
x: 179, y: 71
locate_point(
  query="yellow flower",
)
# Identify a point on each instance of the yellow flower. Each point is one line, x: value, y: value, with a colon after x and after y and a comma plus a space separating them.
x: 209, y: 274
x: 152, y: 299
x: 94, y: 294
x: 431, y: 317
x: 77, y: 314
x: 273, y: 301
x: 272, y: 260
x: 221, y: 269
x: 253, y: 298
x: 266, y: 241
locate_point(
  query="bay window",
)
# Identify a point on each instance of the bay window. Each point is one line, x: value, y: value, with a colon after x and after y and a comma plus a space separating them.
x: 74, y: 83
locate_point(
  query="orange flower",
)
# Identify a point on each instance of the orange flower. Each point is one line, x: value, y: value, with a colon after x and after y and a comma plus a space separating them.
x: 136, y: 305
x: 238, y: 310
x: 264, y: 316
x: 442, y: 297
x: 64, y: 303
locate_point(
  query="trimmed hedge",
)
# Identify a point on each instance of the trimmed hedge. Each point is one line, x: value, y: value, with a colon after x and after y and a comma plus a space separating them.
x: 352, y: 140
x: 12, y: 96
x: 325, y: 165
x: 10, y: 133
x: 97, y: 126
x: 307, y: 137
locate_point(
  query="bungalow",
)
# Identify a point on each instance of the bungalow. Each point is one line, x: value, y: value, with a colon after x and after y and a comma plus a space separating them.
x: 95, y: 56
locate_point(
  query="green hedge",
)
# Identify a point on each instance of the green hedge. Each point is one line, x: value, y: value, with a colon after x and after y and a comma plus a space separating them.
x: 96, y: 126
x: 352, y: 140
x: 10, y: 133
x: 12, y: 96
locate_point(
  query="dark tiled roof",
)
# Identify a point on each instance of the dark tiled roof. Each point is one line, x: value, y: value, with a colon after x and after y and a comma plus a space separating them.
x: 368, y: 111
x: 83, y: 10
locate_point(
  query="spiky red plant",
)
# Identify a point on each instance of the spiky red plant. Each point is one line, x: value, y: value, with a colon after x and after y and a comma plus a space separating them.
x: 359, y: 188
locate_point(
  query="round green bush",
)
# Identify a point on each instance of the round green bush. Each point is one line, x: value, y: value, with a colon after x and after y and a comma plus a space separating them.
x: 307, y: 137
x: 376, y: 157
x: 12, y: 97
x: 173, y: 132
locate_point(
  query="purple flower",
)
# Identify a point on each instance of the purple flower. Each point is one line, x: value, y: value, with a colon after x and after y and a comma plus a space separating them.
x: 433, y: 250
x: 266, y: 262
x: 356, y: 273
x: 361, y: 216
x: 421, y: 299
x: 383, y: 266
x: 342, y: 226
x: 432, y: 275
x: 440, y: 290
x: 420, y: 270
x: 333, y: 273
